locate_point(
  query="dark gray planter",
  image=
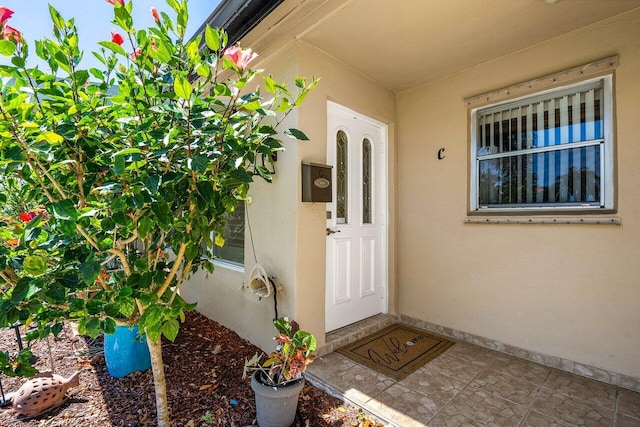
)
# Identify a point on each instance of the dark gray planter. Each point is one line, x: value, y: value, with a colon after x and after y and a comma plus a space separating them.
x: 276, y: 406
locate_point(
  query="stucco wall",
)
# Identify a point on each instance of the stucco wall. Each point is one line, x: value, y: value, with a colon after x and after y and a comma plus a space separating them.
x: 570, y: 291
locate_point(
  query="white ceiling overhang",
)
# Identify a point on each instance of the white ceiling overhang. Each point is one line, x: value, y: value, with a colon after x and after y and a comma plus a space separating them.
x: 401, y: 44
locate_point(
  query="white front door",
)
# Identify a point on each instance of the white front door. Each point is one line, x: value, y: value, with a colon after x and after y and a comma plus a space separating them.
x: 356, y: 285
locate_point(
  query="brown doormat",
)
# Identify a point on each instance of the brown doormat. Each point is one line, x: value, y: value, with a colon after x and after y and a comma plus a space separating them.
x: 396, y: 351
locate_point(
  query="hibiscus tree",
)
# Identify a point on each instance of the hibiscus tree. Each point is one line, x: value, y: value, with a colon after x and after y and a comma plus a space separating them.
x: 130, y: 169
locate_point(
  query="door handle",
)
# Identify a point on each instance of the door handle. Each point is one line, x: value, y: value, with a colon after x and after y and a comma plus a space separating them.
x: 330, y: 231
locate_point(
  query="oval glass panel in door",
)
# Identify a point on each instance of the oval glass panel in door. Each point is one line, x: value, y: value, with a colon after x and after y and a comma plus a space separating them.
x: 342, y: 202
x: 366, y: 181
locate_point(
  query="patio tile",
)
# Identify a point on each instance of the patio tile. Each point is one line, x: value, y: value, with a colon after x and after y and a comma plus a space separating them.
x: 506, y: 387
x: 454, y: 420
x: 536, y: 419
x: 629, y: 402
x: 330, y: 366
x: 520, y: 368
x: 571, y: 410
x: 456, y: 368
x: 482, y: 408
x: 404, y: 406
x: 360, y: 383
x: 627, y: 421
x: 437, y: 387
x: 472, y: 353
x: 595, y: 392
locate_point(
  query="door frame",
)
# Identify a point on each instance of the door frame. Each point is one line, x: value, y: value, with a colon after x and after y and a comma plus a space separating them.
x: 383, y: 194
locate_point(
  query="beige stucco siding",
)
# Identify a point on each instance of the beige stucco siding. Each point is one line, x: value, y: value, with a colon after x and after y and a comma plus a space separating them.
x: 570, y: 291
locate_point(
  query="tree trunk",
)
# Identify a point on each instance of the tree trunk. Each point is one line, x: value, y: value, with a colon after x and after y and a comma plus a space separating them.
x: 159, y: 382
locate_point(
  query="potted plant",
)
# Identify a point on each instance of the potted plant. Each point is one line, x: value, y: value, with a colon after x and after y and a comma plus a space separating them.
x: 278, y: 381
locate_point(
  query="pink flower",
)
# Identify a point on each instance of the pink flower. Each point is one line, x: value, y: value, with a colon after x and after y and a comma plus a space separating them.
x: 240, y: 57
x: 10, y: 33
x: 5, y: 14
x: 154, y: 13
x: 134, y: 55
x: 113, y: 2
x: 116, y: 38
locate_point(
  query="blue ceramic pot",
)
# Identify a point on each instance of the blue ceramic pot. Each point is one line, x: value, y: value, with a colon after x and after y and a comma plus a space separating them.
x: 124, y: 354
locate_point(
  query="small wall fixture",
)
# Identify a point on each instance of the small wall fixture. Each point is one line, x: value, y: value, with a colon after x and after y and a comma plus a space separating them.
x: 316, y: 182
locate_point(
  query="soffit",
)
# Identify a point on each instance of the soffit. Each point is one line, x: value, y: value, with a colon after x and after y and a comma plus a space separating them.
x: 404, y: 43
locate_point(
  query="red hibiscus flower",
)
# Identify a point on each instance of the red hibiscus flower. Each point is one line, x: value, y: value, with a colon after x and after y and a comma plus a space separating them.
x: 155, y: 14
x: 116, y: 38
x: 113, y: 2
x: 27, y: 216
x: 5, y: 14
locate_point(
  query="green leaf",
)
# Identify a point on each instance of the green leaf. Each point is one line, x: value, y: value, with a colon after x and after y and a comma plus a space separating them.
x: 112, y: 309
x: 24, y: 289
x: 153, y: 332
x: 219, y: 240
x: 297, y: 134
x: 108, y: 326
x: 118, y: 165
x: 144, y: 226
x: 64, y: 210
x: 212, y: 38
x: 128, y: 151
x: 50, y: 137
x: 127, y: 305
x: 241, y: 175
x: 199, y: 164
x: 89, y: 270
x: 182, y: 87
x: 7, y: 47
x: 152, y: 183
x: 152, y: 316
x: 114, y: 47
x: 93, y: 327
x: 170, y: 329
x: 162, y: 213
x: 205, y: 189
x: 34, y: 265
x: 123, y: 17
x: 270, y: 84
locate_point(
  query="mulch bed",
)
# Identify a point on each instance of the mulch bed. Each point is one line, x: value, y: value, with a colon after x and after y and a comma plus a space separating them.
x: 203, y: 369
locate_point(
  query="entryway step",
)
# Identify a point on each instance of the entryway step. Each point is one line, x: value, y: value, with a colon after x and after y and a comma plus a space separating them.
x: 355, y: 331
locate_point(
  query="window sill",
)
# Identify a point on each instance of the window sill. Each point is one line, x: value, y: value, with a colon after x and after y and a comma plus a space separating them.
x: 543, y: 220
x: 229, y: 265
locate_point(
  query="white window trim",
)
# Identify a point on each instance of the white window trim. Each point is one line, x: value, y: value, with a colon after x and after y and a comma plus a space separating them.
x: 607, y: 162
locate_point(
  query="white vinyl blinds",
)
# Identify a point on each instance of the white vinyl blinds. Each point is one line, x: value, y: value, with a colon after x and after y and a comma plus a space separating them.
x: 547, y: 150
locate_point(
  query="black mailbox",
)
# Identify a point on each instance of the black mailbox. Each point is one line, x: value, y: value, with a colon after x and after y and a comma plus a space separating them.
x: 316, y: 182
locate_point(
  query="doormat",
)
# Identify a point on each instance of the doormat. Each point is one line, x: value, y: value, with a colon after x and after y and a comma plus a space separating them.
x: 396, y: 351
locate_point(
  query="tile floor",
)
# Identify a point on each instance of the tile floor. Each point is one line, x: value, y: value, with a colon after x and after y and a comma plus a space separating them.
x: 470, y: 385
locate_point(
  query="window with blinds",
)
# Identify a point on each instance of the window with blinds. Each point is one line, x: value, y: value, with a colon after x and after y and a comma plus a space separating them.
x: 233, y: 249
x: 552, y: 150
